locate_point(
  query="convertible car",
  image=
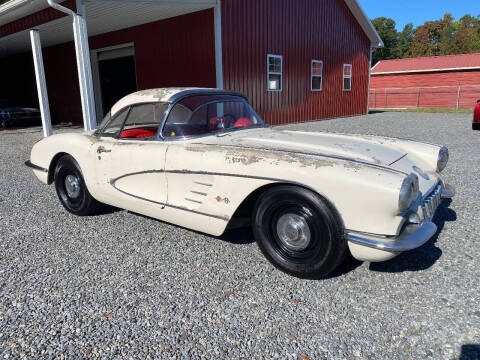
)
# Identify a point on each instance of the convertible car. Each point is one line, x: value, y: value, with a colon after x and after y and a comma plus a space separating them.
x: 203, y: 159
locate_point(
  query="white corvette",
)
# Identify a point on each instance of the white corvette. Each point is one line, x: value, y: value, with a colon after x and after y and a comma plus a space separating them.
x: 203, y: 159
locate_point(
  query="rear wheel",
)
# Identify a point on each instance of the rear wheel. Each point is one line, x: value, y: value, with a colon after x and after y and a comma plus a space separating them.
x: 71, y: 188
x: 299, y: 232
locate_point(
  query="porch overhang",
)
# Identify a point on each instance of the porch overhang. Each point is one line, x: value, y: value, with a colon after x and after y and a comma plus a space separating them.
x: 102, y: 16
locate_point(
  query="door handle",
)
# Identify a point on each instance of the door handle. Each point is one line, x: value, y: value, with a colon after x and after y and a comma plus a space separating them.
x: 101, y: 149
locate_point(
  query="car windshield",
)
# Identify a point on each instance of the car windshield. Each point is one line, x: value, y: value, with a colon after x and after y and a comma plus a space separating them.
x: 210, y: 114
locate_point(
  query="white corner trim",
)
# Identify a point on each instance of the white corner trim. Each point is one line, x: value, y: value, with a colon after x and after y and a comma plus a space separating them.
x: 365, y: 23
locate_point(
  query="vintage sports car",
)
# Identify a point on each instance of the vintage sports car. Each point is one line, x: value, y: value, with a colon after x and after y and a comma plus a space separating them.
x: 203, y: 159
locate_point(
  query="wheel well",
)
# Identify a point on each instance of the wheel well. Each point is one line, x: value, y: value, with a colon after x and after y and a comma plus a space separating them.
x: 53, y: 164
x: 243, y: 214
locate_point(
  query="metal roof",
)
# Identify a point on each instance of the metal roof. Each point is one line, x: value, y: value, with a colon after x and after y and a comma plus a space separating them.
x: 428, y: 64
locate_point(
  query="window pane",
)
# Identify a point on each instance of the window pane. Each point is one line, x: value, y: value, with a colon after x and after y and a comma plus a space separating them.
x: 274, y: 64
x: 201, y: 115
x: 317, y: 68
x: 316, y: 83
x: 347, y: 70
x: 141, y: 115
x: 113, y: 128
x: 347, y: 84
x: 274, y: 82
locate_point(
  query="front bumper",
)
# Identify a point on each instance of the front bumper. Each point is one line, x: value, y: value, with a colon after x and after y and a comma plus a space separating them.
x: 413, y: 235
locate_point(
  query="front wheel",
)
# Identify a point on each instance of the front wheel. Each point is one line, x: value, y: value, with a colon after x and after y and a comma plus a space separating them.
x: 299, y: 232
x: 71, y: 188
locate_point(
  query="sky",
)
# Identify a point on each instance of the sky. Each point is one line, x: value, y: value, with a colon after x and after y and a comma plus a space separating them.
x: 419, y: 11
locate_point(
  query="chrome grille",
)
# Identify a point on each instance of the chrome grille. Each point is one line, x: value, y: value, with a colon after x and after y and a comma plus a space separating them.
x: 431, y: 202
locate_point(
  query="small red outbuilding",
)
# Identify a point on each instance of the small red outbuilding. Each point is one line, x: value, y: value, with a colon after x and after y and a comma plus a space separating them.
x: 430, y: 82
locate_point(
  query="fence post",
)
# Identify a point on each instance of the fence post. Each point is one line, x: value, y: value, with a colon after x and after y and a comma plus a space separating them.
x: 418, y: 98
x: 458, y: 97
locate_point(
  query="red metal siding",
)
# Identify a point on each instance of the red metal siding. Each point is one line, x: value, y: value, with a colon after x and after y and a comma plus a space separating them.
x: 299, y: 30
x: 427, y: 90
x: 174, y: 52
x: 35, y: 19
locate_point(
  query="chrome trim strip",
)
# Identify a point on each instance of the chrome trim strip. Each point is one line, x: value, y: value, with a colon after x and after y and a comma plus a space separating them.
x: 172, y: 206
x: 35, y: 167
x: 413, y: 236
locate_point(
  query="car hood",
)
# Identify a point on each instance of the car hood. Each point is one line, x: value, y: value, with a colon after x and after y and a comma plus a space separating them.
x: 318, y: 143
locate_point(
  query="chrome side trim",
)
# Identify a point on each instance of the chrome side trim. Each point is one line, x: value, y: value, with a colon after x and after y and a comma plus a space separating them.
x: 35, y: 167
x: 448, y: 192
x: 413, y: 236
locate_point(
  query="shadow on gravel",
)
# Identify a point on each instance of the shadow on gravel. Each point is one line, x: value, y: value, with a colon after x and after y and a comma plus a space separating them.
x: 106, y: 210
x: 470, y: 352
x: 349, y: 264
x: 242, y: 236
x: 426, y: 255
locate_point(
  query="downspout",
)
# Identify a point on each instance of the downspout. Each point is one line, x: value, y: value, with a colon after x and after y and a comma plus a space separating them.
x: 83, y: 65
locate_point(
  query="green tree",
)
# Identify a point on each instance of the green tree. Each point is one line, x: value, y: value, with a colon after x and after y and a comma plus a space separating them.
x: 386, y: 29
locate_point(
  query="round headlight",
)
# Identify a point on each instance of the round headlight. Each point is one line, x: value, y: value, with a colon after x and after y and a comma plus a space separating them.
x: 442, y: 159
x: 408, y: 192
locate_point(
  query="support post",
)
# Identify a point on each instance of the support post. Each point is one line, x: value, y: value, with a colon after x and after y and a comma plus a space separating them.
x: 218, y: 44
x: 83, y: 62
x: 369, y: 79
x: 41, y: 82
x: 458, y: 98
x: 418, y: 98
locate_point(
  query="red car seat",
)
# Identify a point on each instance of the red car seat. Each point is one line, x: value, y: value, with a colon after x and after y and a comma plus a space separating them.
x: 243, y: 122
x: 138, y: 133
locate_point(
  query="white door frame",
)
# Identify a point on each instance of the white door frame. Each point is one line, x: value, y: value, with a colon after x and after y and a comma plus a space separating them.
x: 97, y: 86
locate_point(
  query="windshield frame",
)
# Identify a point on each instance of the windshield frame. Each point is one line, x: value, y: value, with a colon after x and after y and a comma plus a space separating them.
x: 222, y: 132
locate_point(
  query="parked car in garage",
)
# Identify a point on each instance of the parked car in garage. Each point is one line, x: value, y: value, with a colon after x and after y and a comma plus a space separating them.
x: 12, y: 116
x: 204, y: 159
x: 476, y: 117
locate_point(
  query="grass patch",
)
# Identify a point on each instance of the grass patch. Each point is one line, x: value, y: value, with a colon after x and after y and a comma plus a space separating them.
x: 427, y: 110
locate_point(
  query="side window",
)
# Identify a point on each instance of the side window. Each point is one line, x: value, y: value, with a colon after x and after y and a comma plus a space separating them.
x: 317, y: 75
x: 143, y: 121
x: 274, y: 72
x: 347, y: 77
x: 114, y: 126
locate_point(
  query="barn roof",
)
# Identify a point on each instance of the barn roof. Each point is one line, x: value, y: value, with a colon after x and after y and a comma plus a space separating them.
x: 428, y: 64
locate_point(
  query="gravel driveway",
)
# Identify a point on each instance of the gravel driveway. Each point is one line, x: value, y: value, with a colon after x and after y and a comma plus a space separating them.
x: 119, y: 285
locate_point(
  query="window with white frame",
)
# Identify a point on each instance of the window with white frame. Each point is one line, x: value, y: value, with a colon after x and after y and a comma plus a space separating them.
x: 274, y: 72
x: 347, y: 77
x: 316, y: 75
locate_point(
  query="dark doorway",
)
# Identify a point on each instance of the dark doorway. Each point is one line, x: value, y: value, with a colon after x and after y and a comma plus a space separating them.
x: 117, y: 79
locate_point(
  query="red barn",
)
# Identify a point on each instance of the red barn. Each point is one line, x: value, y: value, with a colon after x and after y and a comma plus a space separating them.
x: 296, y: 60
x: 430, y: 82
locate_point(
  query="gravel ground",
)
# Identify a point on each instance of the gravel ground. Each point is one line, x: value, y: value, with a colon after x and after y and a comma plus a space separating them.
x: 119, y: 285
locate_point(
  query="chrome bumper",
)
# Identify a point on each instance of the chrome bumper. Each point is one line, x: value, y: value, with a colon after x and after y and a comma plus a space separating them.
x: 413, y: 236
x: 448, y: 191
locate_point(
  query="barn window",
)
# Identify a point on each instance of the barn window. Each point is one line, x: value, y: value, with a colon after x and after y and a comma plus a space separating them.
x: 317, y: 75
x: 274, y: 72
x: 347, y: 77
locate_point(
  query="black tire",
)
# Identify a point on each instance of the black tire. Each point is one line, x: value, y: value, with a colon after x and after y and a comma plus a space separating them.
x: 475, y: 126
x: 296, y: 215
x: 3, y: 123
x: 71, y: 188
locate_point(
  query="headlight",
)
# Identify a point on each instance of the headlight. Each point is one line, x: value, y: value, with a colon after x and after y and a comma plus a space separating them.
x: 442, y: 159
x: 408, y: 192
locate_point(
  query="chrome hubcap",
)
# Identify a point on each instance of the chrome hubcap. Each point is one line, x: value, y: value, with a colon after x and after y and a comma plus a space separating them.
x: 294, y: 232
x: 72, y: 185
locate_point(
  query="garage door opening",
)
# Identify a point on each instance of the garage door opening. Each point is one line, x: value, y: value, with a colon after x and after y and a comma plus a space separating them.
x: 114, y: 76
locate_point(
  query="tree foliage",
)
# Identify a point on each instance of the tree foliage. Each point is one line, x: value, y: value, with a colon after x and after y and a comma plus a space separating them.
x: 445, y: 36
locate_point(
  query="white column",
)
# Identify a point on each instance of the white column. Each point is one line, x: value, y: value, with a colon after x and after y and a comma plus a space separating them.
x: 84, y: 72
x: 218, y: 44
x: 369, y: 79
x: 41, y: 82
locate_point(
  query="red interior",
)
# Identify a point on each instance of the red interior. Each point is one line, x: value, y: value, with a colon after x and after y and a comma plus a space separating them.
x: 138, y: 133
x: 242, y: 122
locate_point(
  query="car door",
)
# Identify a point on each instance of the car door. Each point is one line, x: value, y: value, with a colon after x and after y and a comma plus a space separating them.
x: 130, y: 161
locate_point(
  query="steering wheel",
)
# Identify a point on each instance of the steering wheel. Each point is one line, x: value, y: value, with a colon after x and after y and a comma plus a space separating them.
x: 221, y: 125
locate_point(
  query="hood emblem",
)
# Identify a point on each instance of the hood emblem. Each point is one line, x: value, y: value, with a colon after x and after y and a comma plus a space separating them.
x: 420, y: 172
